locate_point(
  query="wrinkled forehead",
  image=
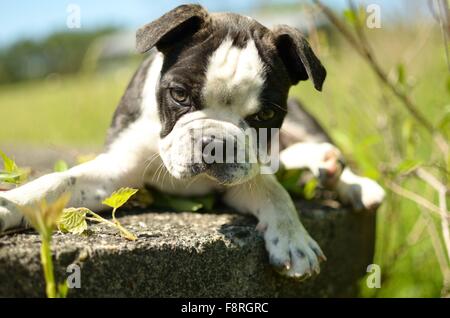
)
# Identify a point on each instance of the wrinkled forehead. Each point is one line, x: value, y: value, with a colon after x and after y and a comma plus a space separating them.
x: 226, y: 33
x: 230, y: 64
x: 234, y: 77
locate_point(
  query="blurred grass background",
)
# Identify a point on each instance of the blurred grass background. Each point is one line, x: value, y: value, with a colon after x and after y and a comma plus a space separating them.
x: 66, y: 110
x: 365, y: 120
x: 375, y: 132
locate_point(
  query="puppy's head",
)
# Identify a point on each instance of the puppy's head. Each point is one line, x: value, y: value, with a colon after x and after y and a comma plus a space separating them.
x: 224, y: 84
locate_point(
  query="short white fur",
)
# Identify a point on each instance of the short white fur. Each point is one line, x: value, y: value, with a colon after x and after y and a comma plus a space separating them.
x: 234, y: 78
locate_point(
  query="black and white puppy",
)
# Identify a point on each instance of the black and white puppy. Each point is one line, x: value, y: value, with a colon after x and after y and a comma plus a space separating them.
x: 221, y: 73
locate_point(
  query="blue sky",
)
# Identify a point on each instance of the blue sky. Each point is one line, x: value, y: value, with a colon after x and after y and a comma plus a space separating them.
x: 36, y: 19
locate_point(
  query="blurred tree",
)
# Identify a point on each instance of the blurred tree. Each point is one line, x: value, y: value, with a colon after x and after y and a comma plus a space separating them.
x: 61, y: 52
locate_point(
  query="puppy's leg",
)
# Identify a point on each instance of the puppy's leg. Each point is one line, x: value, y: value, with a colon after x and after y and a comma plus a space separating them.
x: 307, y: 145
x: 88, y: 184
x: 326, y: 163
x: 362, y: 193
x: 291, y: 250
x: 324, y: 160
x: 132, y: 140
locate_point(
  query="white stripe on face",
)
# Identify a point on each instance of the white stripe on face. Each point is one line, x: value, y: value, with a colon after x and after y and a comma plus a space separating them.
x: 234, y: 79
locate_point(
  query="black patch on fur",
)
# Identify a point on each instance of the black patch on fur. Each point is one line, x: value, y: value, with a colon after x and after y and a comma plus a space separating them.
x: 129, y: 108
x: 187, y: 36
x: 186, y: 61
x: 300, y: 120
x: 300, y: 61
x: 170, y: 27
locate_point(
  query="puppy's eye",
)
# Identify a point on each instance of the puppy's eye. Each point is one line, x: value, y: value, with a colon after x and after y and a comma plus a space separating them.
x: 179, y: 95
x: 265, y: 114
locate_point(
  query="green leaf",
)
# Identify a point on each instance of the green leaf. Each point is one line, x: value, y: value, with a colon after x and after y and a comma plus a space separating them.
x: 9, y: 177
x: 12, y: 173
x: 63, y: 290
x: 60, y: 166
x: 407, y: 166
x: 349, y: 16
x: 353, y: 16
x: 289, y: 179
x: 207, y: 201
x: 401, y: 74
x: 119, y: 197
x: 8, y: 164
x: 73, y: 220
x: 185, y: 205
x: 177, y: 204
x: 309, y: 191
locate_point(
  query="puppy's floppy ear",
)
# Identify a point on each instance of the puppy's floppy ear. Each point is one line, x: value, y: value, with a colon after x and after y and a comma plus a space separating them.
x: 181, y: 21
x: 298, y: 57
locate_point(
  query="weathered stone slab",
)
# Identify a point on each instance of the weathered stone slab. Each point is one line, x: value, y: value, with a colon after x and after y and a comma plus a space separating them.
x: 191, y: 255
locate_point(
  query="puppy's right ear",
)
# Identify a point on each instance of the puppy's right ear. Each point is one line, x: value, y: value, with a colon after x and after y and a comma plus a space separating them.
x: 179, y: 22
x: 298, y: 57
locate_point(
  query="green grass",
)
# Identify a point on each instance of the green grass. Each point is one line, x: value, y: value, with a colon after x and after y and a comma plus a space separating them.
x: 374, y: 132
x: 74, y: 110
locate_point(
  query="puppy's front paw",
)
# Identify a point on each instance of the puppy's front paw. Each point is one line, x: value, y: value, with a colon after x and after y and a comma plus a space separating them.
x: 362, y: 193
x: 9, y: 216
x: 324, y: 160
x: 293, y: 253
x: 330, y: 166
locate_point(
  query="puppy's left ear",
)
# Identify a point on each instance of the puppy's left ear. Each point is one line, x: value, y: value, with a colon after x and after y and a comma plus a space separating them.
x: 171, y: 27
x: 298, y: 57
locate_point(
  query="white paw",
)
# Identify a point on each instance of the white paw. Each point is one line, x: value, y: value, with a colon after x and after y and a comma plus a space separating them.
x: 293, y: 252
x: 362, y: 193
x: 324, y: 160
x: 330, y: 166
x: 9, y: 216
